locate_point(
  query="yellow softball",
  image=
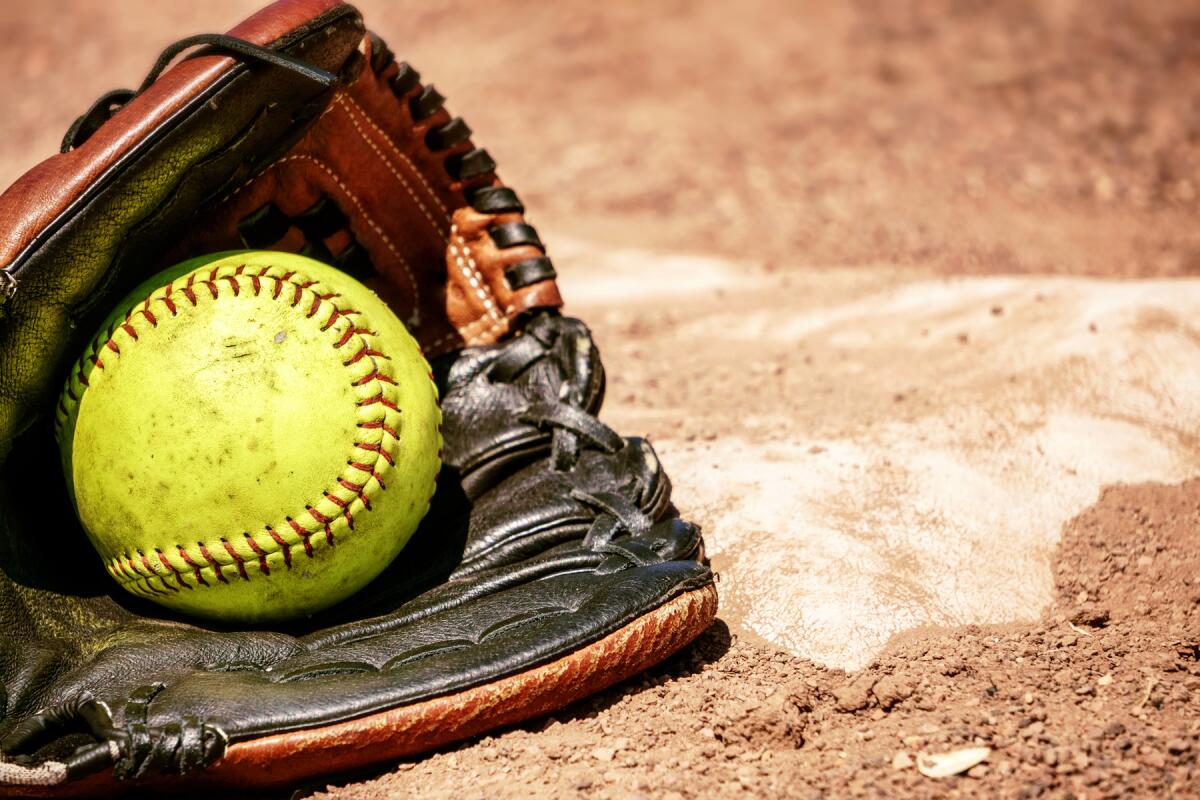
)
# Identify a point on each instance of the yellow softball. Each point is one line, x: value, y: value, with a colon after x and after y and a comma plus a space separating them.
x: 250, y: 437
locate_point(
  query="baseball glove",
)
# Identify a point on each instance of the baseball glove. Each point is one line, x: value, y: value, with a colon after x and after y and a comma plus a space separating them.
x: 551, y: 564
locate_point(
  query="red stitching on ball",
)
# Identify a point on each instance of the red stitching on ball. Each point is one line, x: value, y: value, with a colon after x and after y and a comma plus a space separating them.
x: 380, y: 400
x: 258, y: 551
x: 241, y: 563
x: 345, y: 507
x: 363, y: 352
x: 283, y: 546
x: 195, y: 567
x: 178, y: 577
x: 380, y: 425
x: 212, y: 562
x: 150, y: 569
x: 369, y: 470
x: 303, y: 534
x: 351, y: 332
x: 121, y: 568
x: 378, y: 449
x: 374, y: 376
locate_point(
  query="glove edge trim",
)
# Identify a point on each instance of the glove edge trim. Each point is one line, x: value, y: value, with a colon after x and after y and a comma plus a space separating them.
x: 283, y: 759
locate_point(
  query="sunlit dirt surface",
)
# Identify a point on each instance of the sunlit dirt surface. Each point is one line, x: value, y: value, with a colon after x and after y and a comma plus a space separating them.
x: 903, y: 293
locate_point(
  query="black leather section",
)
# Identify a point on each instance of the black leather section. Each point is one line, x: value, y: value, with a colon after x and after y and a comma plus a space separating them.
x: 488, y: 391
x: 426, y: 104
x: 530, y: 271
x: 321, y: 220
x: 318, y: 251
x: 381, y: 55
x: 496, y: 200
x: 405, y: 80
x: 470, y: 165
x: 456, y: 131
x: 355, y: 260
x: 512, y: 234
x: 264, y: 227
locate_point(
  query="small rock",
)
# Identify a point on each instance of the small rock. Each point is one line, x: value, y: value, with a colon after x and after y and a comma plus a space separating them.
x: 902, y: 760
x: 1092, y: 616
x: 1114, y: 729
x: 892, y: 689
x: 604, y: 753
x: 854, y: 696
x: 1032, y: 730
x: 1178, y: 746
x: 1105, y: 680
x: 943, y: 765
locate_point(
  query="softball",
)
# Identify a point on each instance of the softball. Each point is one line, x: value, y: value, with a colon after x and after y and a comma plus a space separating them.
x: 250, y: 437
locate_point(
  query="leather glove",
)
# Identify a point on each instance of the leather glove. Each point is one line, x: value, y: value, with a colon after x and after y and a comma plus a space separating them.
x: 551, y: 564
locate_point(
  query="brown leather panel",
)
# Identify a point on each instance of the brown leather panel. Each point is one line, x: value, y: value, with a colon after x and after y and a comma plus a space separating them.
x: 39, y: 196
x: 282, y: 760
x: 480, y: 303
x: 368, y: 155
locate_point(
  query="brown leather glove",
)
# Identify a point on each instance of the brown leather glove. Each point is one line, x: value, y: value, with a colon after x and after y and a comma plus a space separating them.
x: 554, y: 562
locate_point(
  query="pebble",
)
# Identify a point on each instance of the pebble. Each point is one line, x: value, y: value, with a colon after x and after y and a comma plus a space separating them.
x: 604, y: 753
x: 1178, y: 746
x: 853, y: 696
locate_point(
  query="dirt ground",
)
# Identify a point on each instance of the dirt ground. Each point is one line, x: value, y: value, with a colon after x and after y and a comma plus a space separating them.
x: 959, y: 137
x: 1101, y: 698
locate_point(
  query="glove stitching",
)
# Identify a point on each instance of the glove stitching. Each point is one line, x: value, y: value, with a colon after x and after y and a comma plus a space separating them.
x: 371, y: 456
x: 347, y: 101
x: 467, y: 265
x: 470, y: 270
x: 366, y: 216
x: 254, y: 178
